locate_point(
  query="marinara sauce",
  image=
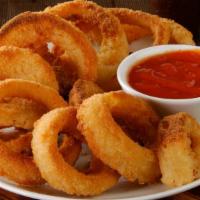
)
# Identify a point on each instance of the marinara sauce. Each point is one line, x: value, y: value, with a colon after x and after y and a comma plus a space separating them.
x: 173, y: 75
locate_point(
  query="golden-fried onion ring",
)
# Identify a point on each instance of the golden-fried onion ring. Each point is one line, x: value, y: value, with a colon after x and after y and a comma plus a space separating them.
x: 20, y: 112
x: 135, y: 28
x: 160, y: 29
x: 13, y: 165
x: 108, y: 141
x: 58, y: 41
x: 17, y: 152
x: 59, y: 174
x: 179, y: 149
x: 31, y: 90
x: 114, y: 46
x: 23, y: 64
x: 179, y: 34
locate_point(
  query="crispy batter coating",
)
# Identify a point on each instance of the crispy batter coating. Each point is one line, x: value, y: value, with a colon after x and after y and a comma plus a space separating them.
x: 23, y: 64
x: 160, y: 29
x: 24, y: 171
x: 31, y: 90
x: 113, y: 47
x: 179, y: 149
x: 81, y: 90
x: 56, y: 40
x: 109, y: 142
x: 135, y: 32
x: 179, y: 34
x: 20, y: 112
x: 59, y: 174
x: 17, y: 152
x: 164, y: 30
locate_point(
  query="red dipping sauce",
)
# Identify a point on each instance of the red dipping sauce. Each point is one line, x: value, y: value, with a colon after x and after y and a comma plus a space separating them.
x: 174, y: 75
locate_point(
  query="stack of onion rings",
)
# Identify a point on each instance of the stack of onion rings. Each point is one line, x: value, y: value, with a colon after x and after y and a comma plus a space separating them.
x: 114, y: 46
x: 164, y: 30
x: 63, y: 46
x: 60, y: 174
x: 160, y: 29
x: 29, y: 173
x: 23, y: 64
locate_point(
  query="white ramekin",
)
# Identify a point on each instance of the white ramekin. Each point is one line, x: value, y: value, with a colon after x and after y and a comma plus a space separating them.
x: 162, y: 105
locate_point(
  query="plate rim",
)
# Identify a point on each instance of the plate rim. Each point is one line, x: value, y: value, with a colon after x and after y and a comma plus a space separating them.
x: 39, y: 196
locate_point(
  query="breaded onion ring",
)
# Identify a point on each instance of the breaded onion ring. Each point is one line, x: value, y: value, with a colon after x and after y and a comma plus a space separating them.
x: 20, y: 112
x: 81, y: 90
x: 179, y: 34
x: 114, y: 46
x: 179, y: 149
x: 23, y: 165
x: 17, y: 153
x: 108, y: 141
x: 160, y: 29
x: 59, y: 174
x: 135, y: 28
x: 58, y: 41
x: 31, y: 90
x: 23, y: 64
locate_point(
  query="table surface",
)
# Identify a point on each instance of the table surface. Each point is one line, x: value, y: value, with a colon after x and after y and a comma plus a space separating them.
x: 183, y: 11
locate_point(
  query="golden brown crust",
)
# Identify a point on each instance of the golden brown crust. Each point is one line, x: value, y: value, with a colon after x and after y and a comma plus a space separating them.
x: 179, y: 34
x: 59, y: 174
x: 161, y: 30
x: 178, y: 149
x: 21, y: 113
x: 31, y: 90
x: 107, y: 140
x: 36, y: 30
x: 24, y: 64
x: 114, y: 46
x: 81, y: 90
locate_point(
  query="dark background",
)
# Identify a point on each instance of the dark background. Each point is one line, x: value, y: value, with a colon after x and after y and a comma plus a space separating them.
x: 186, y: 12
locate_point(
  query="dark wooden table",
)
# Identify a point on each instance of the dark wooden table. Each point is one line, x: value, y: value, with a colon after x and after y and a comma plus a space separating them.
x: 186, y: 12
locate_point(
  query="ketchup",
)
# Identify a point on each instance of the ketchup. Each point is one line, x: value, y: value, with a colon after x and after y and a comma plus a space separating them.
x: 173, y: 75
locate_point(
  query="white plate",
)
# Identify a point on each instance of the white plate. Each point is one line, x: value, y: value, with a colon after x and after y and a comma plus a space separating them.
x: 123, y: 191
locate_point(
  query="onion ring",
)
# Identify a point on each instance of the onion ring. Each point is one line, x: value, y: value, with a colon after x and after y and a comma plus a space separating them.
x: 114, y: 46
x: 81, y: 90
x: 23, y: 64
x: 59, y: 174
x: 107, y: 140
x: 17, y: 153
x: 29, y: 174
x: 63, y: 46
x: 179, y: 34
x: 31, y: 90
x: 160, y: 29
x: 20, y: 112
x: 178, y: 149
